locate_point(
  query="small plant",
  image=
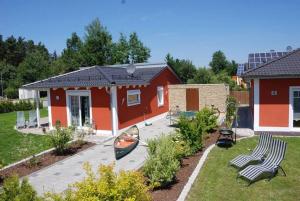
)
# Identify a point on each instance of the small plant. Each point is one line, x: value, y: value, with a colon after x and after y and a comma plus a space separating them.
x: 60, y: 138
x: 230, y: 111
x: 107, y: 185
x: 207, y: 119
x: 34, y: 161
x: 79, y: 136
x: 14, y: 190
x: 162, y: 163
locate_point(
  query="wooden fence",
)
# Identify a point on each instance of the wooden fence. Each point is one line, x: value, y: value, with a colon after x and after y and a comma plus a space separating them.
x: 242, y: 97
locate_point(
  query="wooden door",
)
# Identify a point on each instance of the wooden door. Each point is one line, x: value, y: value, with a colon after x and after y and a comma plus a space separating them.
x: 192, y: 99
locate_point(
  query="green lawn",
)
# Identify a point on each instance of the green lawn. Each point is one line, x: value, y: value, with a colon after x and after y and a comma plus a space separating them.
x: 15, y: 146
x: 217, y: 181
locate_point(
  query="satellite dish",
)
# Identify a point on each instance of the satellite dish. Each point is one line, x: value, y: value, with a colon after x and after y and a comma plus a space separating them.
x: 130, y: 69
x: 289, y: 48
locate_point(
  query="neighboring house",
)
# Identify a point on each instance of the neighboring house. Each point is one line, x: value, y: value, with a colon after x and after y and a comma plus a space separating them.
x: 275, y: 94
x: 110, y: 97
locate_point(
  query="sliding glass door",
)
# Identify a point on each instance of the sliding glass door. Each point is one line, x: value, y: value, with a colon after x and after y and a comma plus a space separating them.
x: 296, y: 107
x: 79, y: 107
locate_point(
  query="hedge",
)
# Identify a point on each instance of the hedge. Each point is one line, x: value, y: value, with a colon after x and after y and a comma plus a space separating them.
x: 22, y: 105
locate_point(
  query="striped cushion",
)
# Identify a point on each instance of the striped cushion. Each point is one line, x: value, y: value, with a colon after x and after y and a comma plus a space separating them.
x: 258, y: 153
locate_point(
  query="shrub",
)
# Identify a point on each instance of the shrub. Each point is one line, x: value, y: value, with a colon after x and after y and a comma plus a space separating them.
x: 107, y: 185
x: 162, y: 163
x: 190, y: 132
x: 14, y: 190
x: 60, y: 138
x: 207, y: 119
x: 21, y: 105
x: 230, y: 111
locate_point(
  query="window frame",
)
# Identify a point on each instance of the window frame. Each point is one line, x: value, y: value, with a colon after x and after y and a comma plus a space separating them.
x: 160, y: 104
x: 134, y: 92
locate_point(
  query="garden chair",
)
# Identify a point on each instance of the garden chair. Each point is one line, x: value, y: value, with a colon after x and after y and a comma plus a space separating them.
x: 270, y: 165
x: 32, y: 119
x: 20, y: 120
x: 257, y: 155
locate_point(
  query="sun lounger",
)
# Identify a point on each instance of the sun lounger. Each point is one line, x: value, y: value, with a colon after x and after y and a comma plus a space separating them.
x: 20, y: 120
x: 257, y: 155
x: 270, y: 165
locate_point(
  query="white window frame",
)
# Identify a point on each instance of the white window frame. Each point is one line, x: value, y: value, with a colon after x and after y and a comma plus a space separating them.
x: 134, y: 92
x: 78, y: 93
x: 160, y: 88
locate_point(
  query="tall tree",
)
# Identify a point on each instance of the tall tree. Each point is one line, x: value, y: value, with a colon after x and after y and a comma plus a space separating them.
x: 138, y: 52
x: 185, y: 69
x: 121, y: 51
x: 97, y: 48
x: 218, y: 62
x: 202, y: 76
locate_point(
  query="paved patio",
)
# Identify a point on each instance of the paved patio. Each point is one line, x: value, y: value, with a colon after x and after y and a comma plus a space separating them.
x: 58, y: 176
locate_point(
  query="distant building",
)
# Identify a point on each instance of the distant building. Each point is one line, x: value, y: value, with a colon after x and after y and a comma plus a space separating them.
x: 26, y: 94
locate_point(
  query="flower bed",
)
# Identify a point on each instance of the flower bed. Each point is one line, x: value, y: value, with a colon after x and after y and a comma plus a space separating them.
x: 42, y: 161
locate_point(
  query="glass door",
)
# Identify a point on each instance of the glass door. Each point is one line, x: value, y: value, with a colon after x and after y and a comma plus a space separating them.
x: 296, y: 108
x: 74, y: 110
x: 85, y: 110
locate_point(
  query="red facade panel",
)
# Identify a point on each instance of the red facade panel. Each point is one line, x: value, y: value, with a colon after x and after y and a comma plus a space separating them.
x: 129, y: 115
x: 59, y: 106
x: 274, y: 109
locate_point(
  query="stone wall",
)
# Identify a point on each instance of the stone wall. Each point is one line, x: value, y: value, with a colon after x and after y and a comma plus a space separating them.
x: 209, y: 94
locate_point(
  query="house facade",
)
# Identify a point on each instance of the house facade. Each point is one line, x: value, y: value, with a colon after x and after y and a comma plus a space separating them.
x: 108, y: 97
x: 275, y: 94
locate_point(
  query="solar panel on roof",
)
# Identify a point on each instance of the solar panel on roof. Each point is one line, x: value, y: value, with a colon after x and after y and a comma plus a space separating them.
x: 256, y: 59
x: 240, y: 69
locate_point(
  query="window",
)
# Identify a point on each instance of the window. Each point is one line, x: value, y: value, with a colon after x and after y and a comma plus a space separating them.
x: 160, y: 96
x: 133, y: 97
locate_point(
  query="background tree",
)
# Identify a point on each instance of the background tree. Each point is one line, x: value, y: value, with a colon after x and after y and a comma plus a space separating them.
x: 121, y: 50
x: 138, y: 53
x: 218, y: 62
x: 185, y: 69
x: 97, y: 48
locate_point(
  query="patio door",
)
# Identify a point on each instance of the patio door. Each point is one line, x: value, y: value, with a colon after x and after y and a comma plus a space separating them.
x: 295, y: 102
x: 79, y: 109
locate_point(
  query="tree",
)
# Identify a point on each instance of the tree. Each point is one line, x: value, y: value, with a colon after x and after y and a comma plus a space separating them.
x: 202, y: 76
x: 97, y: 49
x: 138, y: 52
x: 121, y: 50
x: 184, y: 68
x: 232, y: 68
x: 34, y: 67
x: 218, y: 62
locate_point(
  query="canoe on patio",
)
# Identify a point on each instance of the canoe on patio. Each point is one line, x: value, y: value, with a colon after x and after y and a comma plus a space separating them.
x: 126, y: 142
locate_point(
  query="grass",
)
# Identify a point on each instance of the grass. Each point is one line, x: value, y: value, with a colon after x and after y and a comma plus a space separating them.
x: 217, y: 181
x: 14, y: 145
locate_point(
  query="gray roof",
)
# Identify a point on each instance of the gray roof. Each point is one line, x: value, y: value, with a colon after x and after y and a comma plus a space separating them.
x: 101, y: 76
x: 285, y: 66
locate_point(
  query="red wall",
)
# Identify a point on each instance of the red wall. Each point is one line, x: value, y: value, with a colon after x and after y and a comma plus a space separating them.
x: 274, y: 110
x: 101, y: 108
x: 129, y: 115
x: 58, y: 107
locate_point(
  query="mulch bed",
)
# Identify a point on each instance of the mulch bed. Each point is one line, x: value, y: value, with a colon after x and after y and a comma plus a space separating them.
x: 44, y: 160
x: 188, y: 165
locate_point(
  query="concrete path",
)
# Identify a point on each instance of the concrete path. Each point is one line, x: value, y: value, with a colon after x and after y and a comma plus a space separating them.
x: 58, y: 176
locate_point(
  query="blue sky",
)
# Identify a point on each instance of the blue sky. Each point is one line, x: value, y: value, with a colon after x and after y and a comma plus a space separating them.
x: 190, y: 29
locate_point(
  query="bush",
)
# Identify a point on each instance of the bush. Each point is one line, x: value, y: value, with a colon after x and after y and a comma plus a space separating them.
x: 162, y: 163
x: 207, y: 119
x: 107, y: 185
x: 190, y: 132
x: 14, y: 190
x: 21, y: 105
x: 60, y: 138
x: 230, y: 111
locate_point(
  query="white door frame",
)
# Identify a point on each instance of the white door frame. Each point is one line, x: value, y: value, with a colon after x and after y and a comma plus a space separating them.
x: 291, y: 103
x: 78, y: 93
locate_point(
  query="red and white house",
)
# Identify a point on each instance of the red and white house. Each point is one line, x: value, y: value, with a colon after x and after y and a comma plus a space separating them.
x: 111, y: 97
x: 275, y: 94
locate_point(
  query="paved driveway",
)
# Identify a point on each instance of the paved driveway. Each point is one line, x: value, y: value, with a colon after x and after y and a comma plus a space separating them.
x: 58, y: 176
